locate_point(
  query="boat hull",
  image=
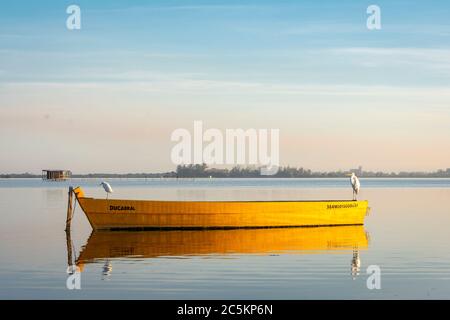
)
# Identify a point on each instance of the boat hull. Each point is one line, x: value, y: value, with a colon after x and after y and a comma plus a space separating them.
x: 138, y: 214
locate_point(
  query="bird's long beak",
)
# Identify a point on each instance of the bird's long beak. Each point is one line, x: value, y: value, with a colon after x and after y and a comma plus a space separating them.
x: 348, y: 174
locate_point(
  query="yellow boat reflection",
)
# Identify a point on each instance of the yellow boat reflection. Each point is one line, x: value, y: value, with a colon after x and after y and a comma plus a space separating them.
x: 151, y: 244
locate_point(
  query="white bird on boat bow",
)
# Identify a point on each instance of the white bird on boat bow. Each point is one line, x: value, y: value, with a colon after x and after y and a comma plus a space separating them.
x: 107, y: 188
x: 355, y: 185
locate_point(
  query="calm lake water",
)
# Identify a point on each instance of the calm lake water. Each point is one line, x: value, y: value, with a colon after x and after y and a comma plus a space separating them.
x: 406, y: 235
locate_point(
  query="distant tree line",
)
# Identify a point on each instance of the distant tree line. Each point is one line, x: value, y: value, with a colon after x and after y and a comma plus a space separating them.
x: 203, y: 171
x: 19, y: 175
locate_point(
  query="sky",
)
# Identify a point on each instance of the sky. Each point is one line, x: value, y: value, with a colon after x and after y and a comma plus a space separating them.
x: 107, y: 97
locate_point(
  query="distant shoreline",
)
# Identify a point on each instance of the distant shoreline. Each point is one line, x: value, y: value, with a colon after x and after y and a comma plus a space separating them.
x: 261, y: 177
x: 175, y: 176
x: 203, y: 171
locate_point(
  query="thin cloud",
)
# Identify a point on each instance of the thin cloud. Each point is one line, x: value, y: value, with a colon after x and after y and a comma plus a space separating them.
x: 434, y: 58
x: 208, y: 86
x: 220, y: 7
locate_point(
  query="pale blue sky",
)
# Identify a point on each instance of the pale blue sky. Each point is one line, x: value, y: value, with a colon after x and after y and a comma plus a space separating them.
x: 341, y: 95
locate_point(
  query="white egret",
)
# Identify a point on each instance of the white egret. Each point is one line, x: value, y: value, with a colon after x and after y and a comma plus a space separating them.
x: 355, y: 185
x: 107, y: 188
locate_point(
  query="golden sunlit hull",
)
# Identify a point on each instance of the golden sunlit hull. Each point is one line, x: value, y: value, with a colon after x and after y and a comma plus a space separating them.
x: 138, y: 214
x: 150, y: 244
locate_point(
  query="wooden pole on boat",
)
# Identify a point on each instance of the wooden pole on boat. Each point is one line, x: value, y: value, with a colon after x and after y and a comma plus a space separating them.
x: 69, y: 209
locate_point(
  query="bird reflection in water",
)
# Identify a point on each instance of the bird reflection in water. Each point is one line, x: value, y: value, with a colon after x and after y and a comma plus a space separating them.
x: 356, y: 264
x: 107, y: 270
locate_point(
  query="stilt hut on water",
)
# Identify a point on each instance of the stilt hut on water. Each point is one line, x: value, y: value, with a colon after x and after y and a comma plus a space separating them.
x: 56, y: 175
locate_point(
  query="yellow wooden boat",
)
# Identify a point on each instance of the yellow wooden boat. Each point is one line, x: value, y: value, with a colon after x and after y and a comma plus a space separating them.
x: 152, y: 244
x: 140, y: 214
